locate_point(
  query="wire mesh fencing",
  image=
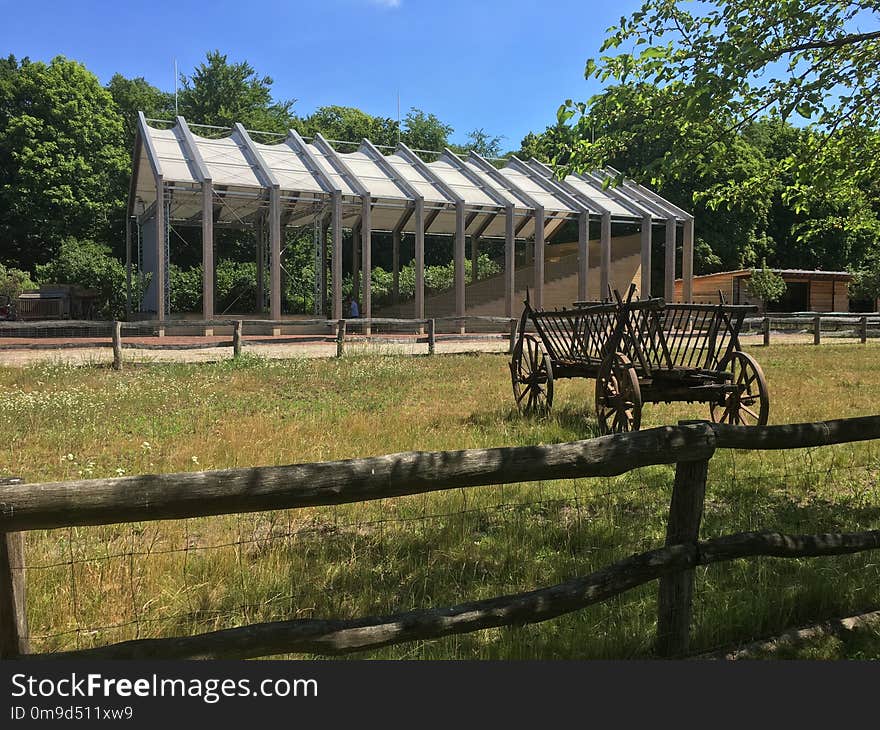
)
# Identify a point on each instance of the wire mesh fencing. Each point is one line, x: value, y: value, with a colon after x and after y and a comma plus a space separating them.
x: 98, y: 585
x: 827, y: 489
x: 91, y: 586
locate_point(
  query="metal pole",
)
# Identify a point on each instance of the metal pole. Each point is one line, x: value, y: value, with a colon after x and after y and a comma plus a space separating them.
x: 420, y: 258
x: 208, y: 253
x: 127, y: 266
x: 459, y: 263
x: 275, y: 248
x: 395, y: 265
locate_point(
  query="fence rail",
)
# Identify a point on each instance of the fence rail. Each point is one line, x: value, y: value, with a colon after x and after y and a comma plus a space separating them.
x: 111, y: 333
x: 689, y: 446
x: 861, y: 326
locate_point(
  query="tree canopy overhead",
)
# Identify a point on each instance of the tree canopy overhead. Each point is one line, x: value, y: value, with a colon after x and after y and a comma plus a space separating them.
x: 725, y: 63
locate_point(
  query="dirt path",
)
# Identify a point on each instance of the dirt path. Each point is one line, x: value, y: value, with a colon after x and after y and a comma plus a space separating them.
x: 99, y: 355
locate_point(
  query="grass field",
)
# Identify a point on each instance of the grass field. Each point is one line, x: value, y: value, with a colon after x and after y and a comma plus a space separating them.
x: 89, y: 586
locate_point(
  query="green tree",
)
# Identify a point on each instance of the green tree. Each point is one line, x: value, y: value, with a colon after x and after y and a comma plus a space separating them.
x: 424, y: 131
x: 91, y: 265
x: 138, y: 95
x: 866, y: 278
x: 766, y: 284
x: 63, y: 163
x: 13, y: 282
x: 221, y: 93
x: 349, y: 124
x: 481, y: 142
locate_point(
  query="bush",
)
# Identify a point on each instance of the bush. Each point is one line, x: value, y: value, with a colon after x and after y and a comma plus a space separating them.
x: 866, y: 280
x: 90, y: 265
x: 437, y: 278
x: 13, y: 282
x: 766, y: 285
x: 235, y: 287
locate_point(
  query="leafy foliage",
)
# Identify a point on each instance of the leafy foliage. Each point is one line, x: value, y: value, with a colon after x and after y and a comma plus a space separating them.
x: 866, y: 279
x: 425, y: 131
x: 727, y: 62
x: 759, y: 115
x: 63, y: 163
x: 13, y: 282
x: 134, y: 95
x: 766, y: 285
x: 481, y: 142
x: 221, y: 93
x: 348, y: 123
x: 91, y: 265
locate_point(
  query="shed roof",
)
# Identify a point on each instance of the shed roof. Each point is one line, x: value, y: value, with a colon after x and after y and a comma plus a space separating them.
x: 243, y: 170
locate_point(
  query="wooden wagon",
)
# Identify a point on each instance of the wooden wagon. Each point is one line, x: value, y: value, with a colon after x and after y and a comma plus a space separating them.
x: 640, y: 351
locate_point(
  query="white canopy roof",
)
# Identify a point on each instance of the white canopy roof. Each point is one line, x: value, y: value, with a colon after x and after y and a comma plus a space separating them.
x: 242, y: 171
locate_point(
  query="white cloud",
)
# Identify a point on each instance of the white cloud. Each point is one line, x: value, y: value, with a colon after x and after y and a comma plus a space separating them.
x: 386, y: 3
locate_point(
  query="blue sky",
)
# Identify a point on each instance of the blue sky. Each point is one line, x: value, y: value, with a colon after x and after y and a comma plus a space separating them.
x: 502, y: 66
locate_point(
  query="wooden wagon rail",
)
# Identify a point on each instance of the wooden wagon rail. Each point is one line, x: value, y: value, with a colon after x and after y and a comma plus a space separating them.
x: 640, y: 351
x: 689, y: 446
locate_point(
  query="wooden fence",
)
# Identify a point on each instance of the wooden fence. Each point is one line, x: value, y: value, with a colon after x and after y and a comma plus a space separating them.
x: 112, y: 334
x: 856, y: 326
x: 689, y: 446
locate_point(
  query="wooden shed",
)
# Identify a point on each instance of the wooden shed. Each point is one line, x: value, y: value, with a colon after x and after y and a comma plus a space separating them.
x: 807, y: 291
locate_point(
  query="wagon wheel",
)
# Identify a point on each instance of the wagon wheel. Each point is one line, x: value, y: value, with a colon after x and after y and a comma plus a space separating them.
x: 532, y: 376
x: 618, y: 396
x: 749, y: 405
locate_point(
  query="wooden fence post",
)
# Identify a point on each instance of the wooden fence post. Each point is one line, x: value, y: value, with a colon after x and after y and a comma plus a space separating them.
x: 676, y: 591
x: 13, y: 605
x: 340, y: 338
x: 432, y: 336
x: 117, y: 345
x: 237, y: 328
x: 863, y: 330
x: 512, y: 337
x: 766, y: 325
x: 817, y: 330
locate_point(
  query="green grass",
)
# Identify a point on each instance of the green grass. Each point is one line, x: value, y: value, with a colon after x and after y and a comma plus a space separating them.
x: 64, y: 422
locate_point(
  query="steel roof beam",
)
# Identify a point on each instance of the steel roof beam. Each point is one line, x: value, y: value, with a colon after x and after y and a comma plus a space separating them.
x: 204, y: 175
x: 152, y: 155
x: 547, y: 185
x: 310, y: 162
x: 546, y: 172
x: 453, y: 159
x: 657, y: 198
x: 651, y: 206
x: 637, y: 210
x: 432, y: 177
x: 256, y: 159
x: 342, y: 166
x: 373, y: 153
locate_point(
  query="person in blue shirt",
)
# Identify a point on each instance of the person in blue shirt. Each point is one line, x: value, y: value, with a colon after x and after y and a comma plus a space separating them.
x: 355, y: 310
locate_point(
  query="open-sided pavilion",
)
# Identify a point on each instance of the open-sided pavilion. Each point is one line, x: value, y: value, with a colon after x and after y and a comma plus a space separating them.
x: 181, y: 178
